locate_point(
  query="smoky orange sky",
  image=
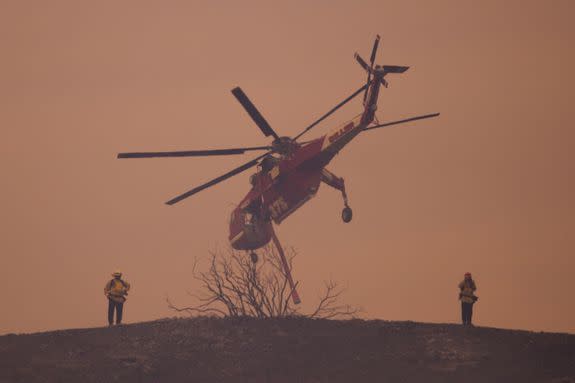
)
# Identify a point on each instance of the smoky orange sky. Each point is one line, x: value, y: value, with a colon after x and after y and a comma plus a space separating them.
x: 487, y: 187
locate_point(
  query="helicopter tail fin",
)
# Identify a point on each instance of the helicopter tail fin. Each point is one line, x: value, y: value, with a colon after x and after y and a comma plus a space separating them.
x: 395, y: 68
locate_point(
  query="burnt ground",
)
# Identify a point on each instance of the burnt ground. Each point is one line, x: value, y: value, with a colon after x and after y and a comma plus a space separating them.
x: 287, y: 350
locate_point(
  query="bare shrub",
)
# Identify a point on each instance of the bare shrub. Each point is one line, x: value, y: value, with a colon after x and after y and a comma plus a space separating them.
x: 234, y: 286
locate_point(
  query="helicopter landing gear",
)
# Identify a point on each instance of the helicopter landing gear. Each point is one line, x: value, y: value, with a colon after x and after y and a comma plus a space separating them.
x: 254, y: 257
x: 339, y: 184
x: 346, y: 214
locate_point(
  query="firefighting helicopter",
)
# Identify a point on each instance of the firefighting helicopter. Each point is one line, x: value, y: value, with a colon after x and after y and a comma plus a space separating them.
x: 290, y: 171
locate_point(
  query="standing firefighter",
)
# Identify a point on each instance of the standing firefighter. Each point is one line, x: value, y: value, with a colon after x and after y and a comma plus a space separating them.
x: 467, y: 297
x: 116, y: 291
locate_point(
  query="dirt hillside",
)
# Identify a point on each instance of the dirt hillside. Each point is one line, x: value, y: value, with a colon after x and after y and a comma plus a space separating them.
x: 287, y: 350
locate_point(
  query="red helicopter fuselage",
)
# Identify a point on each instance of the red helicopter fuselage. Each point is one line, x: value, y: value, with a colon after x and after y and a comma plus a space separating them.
x: 282, y: 185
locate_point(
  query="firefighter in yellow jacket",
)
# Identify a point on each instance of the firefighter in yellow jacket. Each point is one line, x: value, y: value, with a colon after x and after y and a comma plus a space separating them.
x: 116, y: 291
x: 467, y: 297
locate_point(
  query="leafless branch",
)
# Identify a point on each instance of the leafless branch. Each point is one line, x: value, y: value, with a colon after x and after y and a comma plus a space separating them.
x: 234, y: 286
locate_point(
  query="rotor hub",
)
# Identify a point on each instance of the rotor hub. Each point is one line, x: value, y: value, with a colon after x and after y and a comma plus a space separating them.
x: 284, y: 145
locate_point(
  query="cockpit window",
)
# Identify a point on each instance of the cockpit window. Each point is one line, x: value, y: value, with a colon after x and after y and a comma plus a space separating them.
x: 268, y: 163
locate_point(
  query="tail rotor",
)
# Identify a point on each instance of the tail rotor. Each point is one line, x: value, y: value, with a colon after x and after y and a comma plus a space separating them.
x: 371, y: 62
x: 379, y: 71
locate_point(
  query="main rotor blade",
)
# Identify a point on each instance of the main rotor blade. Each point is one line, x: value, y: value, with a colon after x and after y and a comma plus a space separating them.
x: 191, y: 153
x: 331, y: 111
x: 217, y: 180
x: 253, y: 112
x: 403, y: 121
